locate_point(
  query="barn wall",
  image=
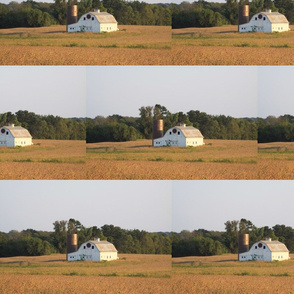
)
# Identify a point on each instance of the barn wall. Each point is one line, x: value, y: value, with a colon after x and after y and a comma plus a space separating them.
x: 6, y: 139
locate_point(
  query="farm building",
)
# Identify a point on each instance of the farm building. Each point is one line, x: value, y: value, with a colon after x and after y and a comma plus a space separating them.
x: 181, y: 136
x: 266, y: 251
x: 95, y: 22
x: 95, y: 251
x: 267, y: 22
x: 12, y: 136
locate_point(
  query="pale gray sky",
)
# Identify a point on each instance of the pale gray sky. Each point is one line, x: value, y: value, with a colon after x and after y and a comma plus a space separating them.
x: 209, y: 204
x: 56, y: 90
x: 276, y: 90
x: 228, y: 90
x: 127, y: 204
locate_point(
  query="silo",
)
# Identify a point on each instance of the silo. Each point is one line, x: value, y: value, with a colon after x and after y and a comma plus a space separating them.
x: 157, y: 131
x: 71, y: 244
x: 243, y: 15
x: 71, y: 15
x: 243, y: 244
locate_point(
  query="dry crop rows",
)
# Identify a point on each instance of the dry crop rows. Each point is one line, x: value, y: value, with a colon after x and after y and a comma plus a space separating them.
x: 51, y: 274
x: 223, y: 274
x: 145, y: 274
x: 145, y: 45
x: 218, y: 159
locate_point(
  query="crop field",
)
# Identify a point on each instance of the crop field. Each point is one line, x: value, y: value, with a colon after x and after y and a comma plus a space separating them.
x: 52, y: 274
x: 131, y: 45
x: 224, y: 274
x: 225, y: 46
x: 276, y: 160
x: 218, y: 159
x: 46, y: 159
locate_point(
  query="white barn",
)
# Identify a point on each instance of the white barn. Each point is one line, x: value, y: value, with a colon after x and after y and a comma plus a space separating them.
x: 266, y: 251
x: 267, y: 22
x: 12, y: 136
x: 96, y: 22
x: 180, y: 136
x: 95, y: 251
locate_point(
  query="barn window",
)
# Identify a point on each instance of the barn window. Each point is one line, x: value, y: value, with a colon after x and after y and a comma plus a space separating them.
x: 84, y: 18
x: 6, y: 133
x: 255, y: 247
x: 92, y: 18
x: 92, y: 247
x: 170, y: 133
x: 263, y: 247
x: 84, y: 247
x: 178, y: 133
x: 264, y: 18
x: 255, y: 18
x: 2, y: 131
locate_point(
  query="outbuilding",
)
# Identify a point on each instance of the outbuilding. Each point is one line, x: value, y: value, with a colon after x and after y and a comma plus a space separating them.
x: 267, y: 22
x: 96, y: 22
x: 267, y: 250
x: 181, y: 136
x: 94, y: 250
x: 12, y: 136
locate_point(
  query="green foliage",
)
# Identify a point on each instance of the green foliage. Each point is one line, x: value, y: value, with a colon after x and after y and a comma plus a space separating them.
x: 276, y: 129
x: 118, y: 128
x: 46, y: 127
x: 34, y: 14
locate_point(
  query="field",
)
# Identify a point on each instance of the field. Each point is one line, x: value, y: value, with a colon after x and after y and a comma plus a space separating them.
x: 52, y: 274
x: 218, y: 159
x: 131, y: 45
x: 225, y: 46
x: 276, y: 161
x: 224, y: 274
x: 46, y: 159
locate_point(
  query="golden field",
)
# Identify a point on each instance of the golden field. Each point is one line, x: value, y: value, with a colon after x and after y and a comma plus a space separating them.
x: 131, y: 45
x: 46, y: 159
x: 276, y: 161
x: 218, y: 159
x: 145, y: 45
x: 224, y: 274
x: 225, y: 46
x: 52, y: 274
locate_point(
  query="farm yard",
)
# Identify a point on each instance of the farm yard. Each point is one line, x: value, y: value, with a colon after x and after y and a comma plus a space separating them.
x: 46, y: 159
x: 131, y: 45
x: 52, y: 274
x: 224, y: 274
x: 225, y: 46
x: 218, y: 159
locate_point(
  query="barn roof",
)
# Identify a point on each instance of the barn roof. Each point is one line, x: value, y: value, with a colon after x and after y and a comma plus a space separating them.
x: 104, y: 17
x: 104, y: 246
x: 18, y: 132
x: 190, y: 132
x: 276, y: 246
x: 275, y: 17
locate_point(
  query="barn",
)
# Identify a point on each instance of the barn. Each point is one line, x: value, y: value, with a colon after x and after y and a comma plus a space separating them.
x: 96, y: 22
x: 94, y: 250
x: 12, y: 136
x: 267, y: 250
x: 267, y: 22
x: 181, y: 136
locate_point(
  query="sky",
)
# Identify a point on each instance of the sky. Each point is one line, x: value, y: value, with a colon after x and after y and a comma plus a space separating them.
x: 209, y: 204
x: 275, y: 91
x: 228, y: 90
x: 127, y: 204
x: 56, y: 90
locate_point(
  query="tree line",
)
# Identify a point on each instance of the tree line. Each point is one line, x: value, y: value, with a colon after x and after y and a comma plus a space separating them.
x: 46, y: 126
x: 37, y: 14
x: 32, y: 243
x: 276, y: 129
x: 208, y: 14
x: 117, y: 128
x: 205, y: 243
